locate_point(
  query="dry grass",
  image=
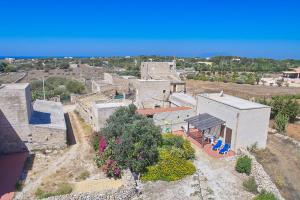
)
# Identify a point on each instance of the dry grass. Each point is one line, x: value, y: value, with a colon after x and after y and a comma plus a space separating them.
x: 281, y: 160
x: 241, y: 90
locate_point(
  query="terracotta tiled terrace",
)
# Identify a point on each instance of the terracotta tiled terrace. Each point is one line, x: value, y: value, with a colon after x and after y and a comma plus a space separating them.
x: 195, y: 138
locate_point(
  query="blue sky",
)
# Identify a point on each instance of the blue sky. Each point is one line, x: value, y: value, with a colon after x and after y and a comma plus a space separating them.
x: 250, y: 28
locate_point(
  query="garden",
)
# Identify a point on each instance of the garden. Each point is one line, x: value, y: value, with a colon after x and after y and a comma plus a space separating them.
x: 56, y: 86
x: 132, y: 141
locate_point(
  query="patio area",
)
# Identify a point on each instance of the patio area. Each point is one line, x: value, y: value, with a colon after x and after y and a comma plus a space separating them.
x: 196, y: 138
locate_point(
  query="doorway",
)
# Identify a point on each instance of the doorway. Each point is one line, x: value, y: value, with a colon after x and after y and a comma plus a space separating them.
x: 228, y: 136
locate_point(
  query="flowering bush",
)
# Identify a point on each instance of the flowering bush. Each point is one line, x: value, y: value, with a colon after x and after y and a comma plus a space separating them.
x: 102, y: 145
x: 111, y: 169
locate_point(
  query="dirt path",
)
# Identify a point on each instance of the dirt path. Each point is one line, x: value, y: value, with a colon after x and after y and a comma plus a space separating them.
x: 281, y: 160
x: 74, y: 152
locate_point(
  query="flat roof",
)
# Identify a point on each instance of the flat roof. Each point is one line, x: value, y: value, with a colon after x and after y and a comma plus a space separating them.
x: 233, y: 101
x: 15, y: 86
x: 48, y: 114
x: 152, y: 111
x: 109, y: 105
x: 182, y: 97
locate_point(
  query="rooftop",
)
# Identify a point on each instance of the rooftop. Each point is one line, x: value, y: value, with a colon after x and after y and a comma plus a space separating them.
x: 49, y: 114
x: 110, y: 105
x: 235, y: 102
x: 177, y: 99
x: 152, y: 111
x: 15, y: 86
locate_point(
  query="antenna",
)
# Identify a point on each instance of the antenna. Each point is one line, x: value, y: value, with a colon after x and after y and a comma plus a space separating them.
x: 44, y: 88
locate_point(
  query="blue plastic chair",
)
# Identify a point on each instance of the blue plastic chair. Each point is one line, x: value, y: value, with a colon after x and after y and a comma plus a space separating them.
x: 225, y: 149
x: 217, y: 146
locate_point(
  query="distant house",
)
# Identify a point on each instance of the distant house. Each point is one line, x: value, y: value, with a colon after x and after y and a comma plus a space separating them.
x: 245, y: 122
x: 292, y: 75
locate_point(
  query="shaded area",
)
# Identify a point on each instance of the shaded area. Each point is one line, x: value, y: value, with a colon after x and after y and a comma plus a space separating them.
x: 10, y: 170
x: 40, y: 118
x: 71, y: 140
x: 281, y: 160
x: 10, y: 142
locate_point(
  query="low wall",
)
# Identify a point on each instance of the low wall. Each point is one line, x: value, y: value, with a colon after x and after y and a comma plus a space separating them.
x: 47, y: 138
x: 262, y: 179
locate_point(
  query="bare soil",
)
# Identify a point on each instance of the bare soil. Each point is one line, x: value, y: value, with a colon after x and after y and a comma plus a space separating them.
x: 241, y: 90
x: 281, y: 160
x: 49, y: 170
x: 292, y: 129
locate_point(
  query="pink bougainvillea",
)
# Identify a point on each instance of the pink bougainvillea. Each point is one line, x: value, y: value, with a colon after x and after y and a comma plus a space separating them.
x: 111, y: 169
x: 118, y: 141
x: 102, y: 145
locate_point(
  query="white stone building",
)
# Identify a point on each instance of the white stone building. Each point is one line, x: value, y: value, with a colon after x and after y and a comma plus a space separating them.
x: 102, y: 111
x: 246, y: 122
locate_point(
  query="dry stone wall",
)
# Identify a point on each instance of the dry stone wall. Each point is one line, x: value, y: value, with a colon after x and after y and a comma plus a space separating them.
x: 262, y: 179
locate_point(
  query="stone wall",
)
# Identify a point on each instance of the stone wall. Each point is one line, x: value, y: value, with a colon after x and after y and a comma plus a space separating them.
x: 262, y: 179
x: 15, y: 112
x: 151, y: 93
x: 174, y: 120
x: 24, y: 127
x: 47, y: 138
x: 160, y: 70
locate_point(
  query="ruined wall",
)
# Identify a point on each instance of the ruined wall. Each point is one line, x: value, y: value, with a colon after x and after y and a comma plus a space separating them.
x: 23, y: 128
x: 15, y: 112
x: 152, y: 70
x: 151, y: 93
x: 47, y: 138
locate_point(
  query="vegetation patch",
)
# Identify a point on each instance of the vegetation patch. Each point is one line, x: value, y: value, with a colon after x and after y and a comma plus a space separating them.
x: 129, y: 141
x: 174, y: 162
x: 170, y: 167
x: 265, y: 196
x: 243, y: 165
x: 63, y: 188
x: 83, y: 175
x: 56, y: 86
x: 250, y: 185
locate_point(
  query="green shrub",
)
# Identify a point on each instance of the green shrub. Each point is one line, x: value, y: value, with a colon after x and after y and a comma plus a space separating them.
x: 265, y: 196
x: 63, y: 188
x: 170, y: 139
x: 243, y: 165
x: 281, y: 121
x: 170, y: 167
x: 189, y: 151
x: 286, y: 105
x: 19, y: 186
x: 250, y: 185
x: 83, y: 175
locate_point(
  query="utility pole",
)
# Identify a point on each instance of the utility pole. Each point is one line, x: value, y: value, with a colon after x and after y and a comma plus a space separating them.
x: 44, y: 88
